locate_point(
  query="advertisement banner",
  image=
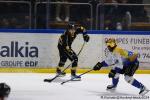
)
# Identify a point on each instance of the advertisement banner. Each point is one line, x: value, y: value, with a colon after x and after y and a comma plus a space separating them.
x: 26, y: 49
x: 40, y: 50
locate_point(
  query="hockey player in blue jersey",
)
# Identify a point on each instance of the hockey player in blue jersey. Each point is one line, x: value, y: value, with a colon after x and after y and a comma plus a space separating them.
x: 124, y: 62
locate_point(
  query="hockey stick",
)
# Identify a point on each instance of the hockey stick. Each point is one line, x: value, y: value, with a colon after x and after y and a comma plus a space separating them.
x: 78, y: 75
x: 82, y: 74
x: 50, y: 80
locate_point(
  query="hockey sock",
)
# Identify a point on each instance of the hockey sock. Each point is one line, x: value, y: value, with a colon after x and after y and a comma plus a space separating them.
x: 59, y: 69
x: 73, y: 71
x: 137, y: 84
x: 115, y: 81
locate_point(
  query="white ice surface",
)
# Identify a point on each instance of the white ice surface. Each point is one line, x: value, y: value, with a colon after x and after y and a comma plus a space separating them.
x: 30, y: 86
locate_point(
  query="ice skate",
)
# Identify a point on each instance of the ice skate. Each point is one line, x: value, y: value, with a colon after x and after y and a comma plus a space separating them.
x: 143, y: 91
x: 111, y: 87
x: 75, y: 78
x: 60, y: 73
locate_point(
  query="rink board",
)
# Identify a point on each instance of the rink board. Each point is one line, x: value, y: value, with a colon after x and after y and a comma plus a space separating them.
x: 36, y: 50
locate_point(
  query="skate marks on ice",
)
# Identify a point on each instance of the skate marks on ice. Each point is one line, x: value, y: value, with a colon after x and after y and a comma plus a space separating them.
x: 30, y: 94
x: 100, y: 92
x: 58, y: 79
x: 117, y: 93
x: 111, y: 93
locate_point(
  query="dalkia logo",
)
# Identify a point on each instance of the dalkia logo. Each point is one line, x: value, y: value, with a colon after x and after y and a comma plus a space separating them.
x: 17, y: 50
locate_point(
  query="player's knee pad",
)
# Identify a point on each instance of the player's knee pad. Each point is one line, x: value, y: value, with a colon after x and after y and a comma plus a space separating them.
x: 129, y: 79
x: 75, y: 63
x: 75, y: 58
x: 116, y: 76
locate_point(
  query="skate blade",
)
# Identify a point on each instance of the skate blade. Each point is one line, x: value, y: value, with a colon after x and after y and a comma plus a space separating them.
x: 76, y: 80
x: 111, y: 90
x: 61, y: 75
x: 144, y: 92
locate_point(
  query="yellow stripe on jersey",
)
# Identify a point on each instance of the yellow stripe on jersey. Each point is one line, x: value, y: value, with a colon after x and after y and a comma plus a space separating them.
x: 133, y: 57
x: 122, y: 52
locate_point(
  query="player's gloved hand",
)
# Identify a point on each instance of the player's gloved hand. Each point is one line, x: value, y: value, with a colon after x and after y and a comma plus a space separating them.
x: 86, y: 38
x: 98, y: 66
x: 68, y: 49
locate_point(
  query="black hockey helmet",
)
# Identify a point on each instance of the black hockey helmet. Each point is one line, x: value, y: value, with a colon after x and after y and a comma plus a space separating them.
x: 4, y: 90
x: 70, y: 26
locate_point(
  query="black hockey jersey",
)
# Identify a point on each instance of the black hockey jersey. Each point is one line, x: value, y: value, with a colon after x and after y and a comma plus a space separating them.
x: 67, y: 38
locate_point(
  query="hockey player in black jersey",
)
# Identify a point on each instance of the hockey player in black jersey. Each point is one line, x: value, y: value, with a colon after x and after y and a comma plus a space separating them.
x: 65, y: 50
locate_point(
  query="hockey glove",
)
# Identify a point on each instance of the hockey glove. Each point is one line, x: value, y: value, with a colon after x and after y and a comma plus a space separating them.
x: 98, y: 66
x: 86, y: 38
x: 68, y: 49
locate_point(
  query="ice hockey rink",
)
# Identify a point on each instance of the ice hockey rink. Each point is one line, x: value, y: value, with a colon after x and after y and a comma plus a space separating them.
x: 30, y: 86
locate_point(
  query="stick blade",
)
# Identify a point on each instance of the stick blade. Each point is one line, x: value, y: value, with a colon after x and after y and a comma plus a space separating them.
x: 48, y: 80
x: 62, y: 83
